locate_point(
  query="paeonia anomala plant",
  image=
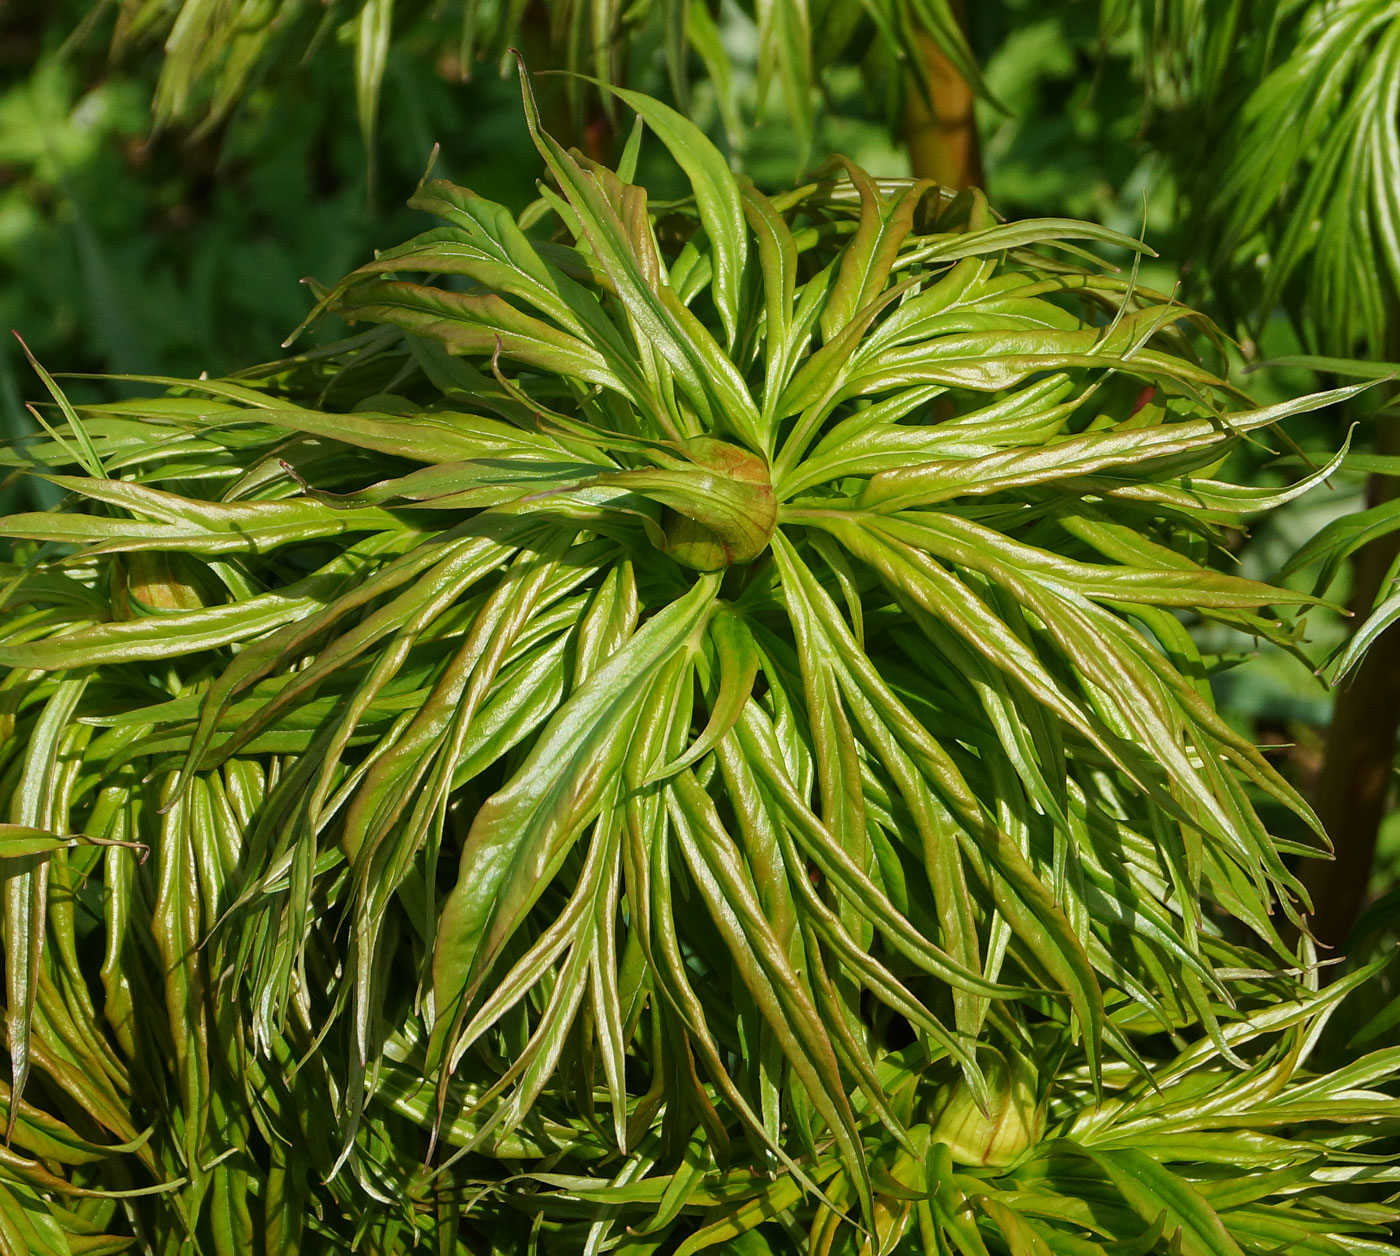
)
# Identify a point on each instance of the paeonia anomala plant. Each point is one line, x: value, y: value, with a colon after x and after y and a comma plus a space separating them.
x: 681, y: 734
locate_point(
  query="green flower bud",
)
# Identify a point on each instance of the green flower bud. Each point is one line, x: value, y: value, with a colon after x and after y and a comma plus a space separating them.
x: 726, y: 513
x: 717, y: 503
x: 1015, y: 1120
x: 157, y: 583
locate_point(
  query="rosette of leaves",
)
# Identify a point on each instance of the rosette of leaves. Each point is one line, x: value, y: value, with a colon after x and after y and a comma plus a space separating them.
x: 694, y: 700
x: 1200, y: 1158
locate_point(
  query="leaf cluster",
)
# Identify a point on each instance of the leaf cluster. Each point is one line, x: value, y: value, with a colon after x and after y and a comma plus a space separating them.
x: 1282, y: 121
x: 682, y: 732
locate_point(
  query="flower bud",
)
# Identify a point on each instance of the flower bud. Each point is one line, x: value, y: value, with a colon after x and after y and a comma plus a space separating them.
x: 1014, y: 1122
x: 152, y: 582
x: 718, y: 508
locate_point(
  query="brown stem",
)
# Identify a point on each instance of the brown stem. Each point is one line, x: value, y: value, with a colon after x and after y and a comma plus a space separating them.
x: 581, y: 123
x: 1354, y: 784
x: 940, y: 123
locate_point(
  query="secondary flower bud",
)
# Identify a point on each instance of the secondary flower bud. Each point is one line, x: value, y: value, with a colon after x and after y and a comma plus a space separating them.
x: 1014, y: 1122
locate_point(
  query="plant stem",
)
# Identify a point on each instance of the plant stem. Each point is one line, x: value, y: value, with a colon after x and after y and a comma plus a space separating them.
x: 940, y: 123
x: 583, y: 125
x: 1354, y: 784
